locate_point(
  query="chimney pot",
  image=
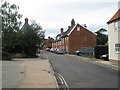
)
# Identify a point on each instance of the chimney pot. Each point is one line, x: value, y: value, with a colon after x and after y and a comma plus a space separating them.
x: 69, y: 27
x: 61, y: 30
x: 72, y: 22
x: 49, y: 37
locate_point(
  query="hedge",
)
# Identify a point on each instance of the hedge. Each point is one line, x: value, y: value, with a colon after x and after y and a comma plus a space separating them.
x: 100, y: 50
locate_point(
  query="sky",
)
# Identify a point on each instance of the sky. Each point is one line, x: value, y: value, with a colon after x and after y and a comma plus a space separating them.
x: 55, y: 14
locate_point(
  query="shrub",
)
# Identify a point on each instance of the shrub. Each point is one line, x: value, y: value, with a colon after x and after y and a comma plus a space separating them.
x: 6, y: 56
x: 100, y: 50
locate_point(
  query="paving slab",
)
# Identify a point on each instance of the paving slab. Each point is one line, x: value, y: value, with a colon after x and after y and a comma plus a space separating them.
x: 38, y: 74
x: 12, y: 73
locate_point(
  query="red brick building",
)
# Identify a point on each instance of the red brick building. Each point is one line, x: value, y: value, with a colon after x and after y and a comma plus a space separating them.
x: 75, y: 38
x: 48, y: 42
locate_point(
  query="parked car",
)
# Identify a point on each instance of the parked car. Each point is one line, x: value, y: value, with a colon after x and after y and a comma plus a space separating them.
x: 104, y: 56
x: 88, y: 51
x: 53, y: 50
x: 60, y: 51
x: 79, y: 52
x: 47, y: 49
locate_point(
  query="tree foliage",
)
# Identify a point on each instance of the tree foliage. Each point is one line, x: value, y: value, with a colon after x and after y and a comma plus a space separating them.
x: 10, y: 25
x: 16, y: 40
x: 102, y: 38
x: 33, y: 36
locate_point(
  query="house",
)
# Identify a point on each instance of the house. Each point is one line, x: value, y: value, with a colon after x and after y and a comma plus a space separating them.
x: 76, y: 37
x: 114, y: 37
x: 48, y: 42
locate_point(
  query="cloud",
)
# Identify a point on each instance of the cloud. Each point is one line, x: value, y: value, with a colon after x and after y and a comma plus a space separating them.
x: 54, y: 14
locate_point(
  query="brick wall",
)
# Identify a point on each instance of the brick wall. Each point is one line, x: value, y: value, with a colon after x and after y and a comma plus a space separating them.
x: 80, y: 39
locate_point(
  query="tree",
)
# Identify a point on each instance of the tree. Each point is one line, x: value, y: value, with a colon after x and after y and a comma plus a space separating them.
x: 33, y: 36
x: 102, y: 38
x: 10, y: 25
x: 15, y: 40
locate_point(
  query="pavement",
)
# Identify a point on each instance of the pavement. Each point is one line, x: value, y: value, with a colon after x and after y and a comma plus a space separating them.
x: 28, y: 73
x: 12, y: 73
x: 101, y: 62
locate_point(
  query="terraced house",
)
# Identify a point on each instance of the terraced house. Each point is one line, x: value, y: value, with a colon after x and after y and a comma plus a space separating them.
x: 76, y: 37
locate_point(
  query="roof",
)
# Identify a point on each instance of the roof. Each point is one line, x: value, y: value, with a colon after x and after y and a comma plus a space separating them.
x: 50, y: 40
x: 64, y: 33
x: 68, y: 31
x: 26, y: 25
x: 115, y: 17
x: 72, y: 28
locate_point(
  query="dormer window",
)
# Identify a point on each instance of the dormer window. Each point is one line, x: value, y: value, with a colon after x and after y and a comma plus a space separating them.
x: 78, y: 28
x: 117, y: 25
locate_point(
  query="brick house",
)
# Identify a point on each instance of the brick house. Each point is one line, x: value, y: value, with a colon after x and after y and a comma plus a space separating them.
x: 48, y: 42
x: 76, y: 37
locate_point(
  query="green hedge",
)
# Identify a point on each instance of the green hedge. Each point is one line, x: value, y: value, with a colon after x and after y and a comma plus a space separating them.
x: 6, y: 56
x: 100, y: 50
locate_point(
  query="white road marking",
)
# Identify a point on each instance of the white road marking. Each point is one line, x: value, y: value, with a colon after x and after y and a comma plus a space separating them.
x: 63, y: 80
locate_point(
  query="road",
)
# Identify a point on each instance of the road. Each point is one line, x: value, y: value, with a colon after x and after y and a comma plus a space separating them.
x: 81, y: 74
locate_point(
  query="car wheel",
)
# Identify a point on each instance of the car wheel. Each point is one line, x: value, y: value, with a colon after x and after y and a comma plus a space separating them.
x: 80, y: 54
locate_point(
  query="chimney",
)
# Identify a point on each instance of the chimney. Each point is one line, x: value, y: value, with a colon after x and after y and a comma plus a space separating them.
x: 49, y: 38
x: 61, y: 30
x: 69, y: 27
x: 26, y: 20
x: 84, y: 25
x: 72, y: 22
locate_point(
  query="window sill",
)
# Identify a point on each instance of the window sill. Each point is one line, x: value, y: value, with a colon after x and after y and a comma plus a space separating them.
x: 117, y: 53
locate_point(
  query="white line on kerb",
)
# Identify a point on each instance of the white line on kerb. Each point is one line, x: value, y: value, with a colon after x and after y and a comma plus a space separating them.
x: 64, y: 81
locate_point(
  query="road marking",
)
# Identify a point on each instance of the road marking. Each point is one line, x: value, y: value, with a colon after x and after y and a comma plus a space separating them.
x: 63, y: 81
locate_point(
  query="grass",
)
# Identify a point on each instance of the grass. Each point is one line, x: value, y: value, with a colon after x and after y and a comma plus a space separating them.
x: 88, y: 56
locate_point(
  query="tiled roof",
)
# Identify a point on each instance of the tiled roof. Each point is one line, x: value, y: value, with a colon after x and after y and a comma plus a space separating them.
x: 64, y: 34
x: 67, y: 32
x: 115, y: 17
x: 25, y: 26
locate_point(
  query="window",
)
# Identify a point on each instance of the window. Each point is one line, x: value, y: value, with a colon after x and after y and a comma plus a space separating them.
x: 117, y: 25
x: 117, y: 48
x: 78, y: 28
x: 85, y: 38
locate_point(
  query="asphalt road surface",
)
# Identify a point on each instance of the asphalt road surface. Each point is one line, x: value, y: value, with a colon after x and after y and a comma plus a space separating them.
x: 81, y: 74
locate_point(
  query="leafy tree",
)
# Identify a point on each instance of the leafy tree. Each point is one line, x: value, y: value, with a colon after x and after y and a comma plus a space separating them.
x: 102, y: 38
x: 15, y: 40
x: 10, y: 25
x: 33, y: 36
